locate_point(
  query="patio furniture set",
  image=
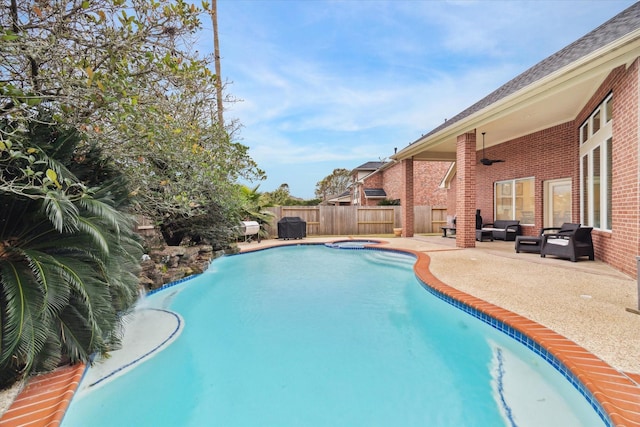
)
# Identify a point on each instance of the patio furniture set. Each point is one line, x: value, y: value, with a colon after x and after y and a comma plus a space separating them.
x: 498, y: 230
x: 570, y: 241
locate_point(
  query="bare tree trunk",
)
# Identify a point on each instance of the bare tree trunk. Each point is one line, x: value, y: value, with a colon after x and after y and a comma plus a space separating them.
x: 216, y: 49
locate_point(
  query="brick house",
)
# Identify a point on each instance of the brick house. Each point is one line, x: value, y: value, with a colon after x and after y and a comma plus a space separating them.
x: 376, y: 181
x: 367, y: 184
x: 567, y: 130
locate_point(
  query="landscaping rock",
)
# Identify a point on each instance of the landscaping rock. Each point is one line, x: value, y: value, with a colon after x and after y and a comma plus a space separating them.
x: 171, y: 263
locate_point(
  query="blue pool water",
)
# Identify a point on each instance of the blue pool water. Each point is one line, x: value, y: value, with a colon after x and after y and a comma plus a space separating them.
x: 313, y: 336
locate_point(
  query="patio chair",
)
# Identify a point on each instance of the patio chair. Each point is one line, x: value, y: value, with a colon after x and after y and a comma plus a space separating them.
x: 534, y: 243
x: 569, y: 244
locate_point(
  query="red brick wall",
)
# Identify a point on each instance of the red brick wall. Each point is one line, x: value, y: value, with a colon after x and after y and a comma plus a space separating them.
x: 548, y: 154
x: 451, y: 198
x: 621, y: 246
x: 372, y: 181
x: 394, y: 181
x: 427, y: 177
x: 466, y: 198
x: 407, y: 197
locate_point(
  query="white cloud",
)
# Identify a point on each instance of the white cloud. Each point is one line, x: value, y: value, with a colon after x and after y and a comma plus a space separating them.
x: 346, y: 81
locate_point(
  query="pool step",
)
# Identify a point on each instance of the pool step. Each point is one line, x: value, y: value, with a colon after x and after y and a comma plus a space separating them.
x: 390, y: 258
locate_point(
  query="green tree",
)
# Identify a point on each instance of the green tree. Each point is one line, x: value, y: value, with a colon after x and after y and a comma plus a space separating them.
x: 68, y: 256
x: 279, y: 197
x: 333, y: 185
x: 301, y: 202
x: 282, y: 197
x: 188, y: 179
x: 125, y: 74
x: 89, y: 58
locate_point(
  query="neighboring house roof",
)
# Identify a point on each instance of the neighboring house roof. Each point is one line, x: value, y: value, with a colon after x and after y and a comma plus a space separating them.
x: 346, y: 193
x: 343, y: 197
x: 374, y: 193
x: 369, y: 166
x: 550, y: 92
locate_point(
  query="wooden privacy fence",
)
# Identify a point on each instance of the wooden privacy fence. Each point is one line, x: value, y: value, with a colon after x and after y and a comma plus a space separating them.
x: 357, y: 220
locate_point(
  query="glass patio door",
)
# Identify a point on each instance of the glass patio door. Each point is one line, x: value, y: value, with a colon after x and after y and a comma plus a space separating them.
x: 557, y: 202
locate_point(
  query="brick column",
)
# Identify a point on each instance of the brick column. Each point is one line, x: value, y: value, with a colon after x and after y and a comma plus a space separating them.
x: 466, y: 190
x: 407, y: 198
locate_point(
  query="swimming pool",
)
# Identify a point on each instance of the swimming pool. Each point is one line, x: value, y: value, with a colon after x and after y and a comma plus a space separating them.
x: 312, y: 336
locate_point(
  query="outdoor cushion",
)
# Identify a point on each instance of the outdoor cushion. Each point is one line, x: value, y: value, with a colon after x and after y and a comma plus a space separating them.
x: 560, y: 242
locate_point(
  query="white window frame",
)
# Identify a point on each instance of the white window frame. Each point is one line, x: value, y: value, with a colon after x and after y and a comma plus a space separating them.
x: 599, y: 139
x: 514, y: 195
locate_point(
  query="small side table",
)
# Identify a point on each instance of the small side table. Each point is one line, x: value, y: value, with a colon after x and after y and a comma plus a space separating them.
x: 484, y: 234
x: 528, y: 244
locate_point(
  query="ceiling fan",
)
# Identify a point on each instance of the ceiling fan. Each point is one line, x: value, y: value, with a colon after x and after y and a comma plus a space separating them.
x: 484, y: 160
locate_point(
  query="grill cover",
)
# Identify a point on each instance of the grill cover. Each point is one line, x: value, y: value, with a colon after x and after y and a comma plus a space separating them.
x: 292, y: 227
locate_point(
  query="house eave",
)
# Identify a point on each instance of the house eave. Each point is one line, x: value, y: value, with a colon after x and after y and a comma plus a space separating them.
x: 527, y: 109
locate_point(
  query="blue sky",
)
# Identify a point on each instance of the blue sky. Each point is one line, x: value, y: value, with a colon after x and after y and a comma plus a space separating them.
x: 325, y: 84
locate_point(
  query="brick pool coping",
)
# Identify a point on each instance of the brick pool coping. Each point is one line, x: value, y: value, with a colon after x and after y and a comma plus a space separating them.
x: 45, y: 399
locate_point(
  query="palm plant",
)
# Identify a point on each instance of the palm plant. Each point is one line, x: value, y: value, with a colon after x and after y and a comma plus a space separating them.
x: 68, y: 260
x: 253, y: 208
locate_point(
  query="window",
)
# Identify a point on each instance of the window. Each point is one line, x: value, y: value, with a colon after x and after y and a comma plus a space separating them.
x: 596, y: 167
x: 515, y: 200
